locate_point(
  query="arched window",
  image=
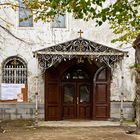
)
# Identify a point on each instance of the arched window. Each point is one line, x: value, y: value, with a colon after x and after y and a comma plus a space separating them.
x: 14, y: 71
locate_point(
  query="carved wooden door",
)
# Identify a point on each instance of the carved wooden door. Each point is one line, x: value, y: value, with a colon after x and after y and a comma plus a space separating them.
x: 101, y: 96
x: 77, y: 101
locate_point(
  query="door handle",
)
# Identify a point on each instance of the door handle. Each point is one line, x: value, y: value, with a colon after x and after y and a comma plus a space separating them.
x: 77, y: 100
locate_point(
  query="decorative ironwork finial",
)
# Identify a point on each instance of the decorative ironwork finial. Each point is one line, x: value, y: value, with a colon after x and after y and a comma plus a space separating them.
x: 14, y: 62
x: 80, y: 32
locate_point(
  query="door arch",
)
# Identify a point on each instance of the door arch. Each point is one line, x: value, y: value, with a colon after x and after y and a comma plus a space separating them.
x: 76, y: 94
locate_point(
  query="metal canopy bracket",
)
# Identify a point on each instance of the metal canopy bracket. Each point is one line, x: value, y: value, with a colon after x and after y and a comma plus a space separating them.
x: 78, y: 48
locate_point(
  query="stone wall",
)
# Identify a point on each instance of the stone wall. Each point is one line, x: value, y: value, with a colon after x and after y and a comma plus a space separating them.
x: 128, y: 110
x: 11, y: 111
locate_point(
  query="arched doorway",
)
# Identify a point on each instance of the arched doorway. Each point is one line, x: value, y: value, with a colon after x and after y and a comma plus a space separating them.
x: 77, y: 91
x: 76, y: 94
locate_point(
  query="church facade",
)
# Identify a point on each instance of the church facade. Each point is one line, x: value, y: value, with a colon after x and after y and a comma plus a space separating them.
x: 72, y: 65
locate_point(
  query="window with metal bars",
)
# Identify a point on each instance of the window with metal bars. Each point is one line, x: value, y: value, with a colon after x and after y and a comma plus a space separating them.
x: 14, y: 71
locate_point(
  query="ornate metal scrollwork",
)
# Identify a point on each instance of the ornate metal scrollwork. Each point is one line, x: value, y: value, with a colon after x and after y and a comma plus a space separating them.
x: 78, y: 48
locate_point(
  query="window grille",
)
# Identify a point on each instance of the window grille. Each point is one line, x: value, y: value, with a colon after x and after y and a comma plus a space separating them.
x: 14, y: 71
x: 25, y: 18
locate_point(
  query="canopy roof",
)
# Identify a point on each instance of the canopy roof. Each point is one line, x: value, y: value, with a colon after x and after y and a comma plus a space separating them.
x: 78, y: 48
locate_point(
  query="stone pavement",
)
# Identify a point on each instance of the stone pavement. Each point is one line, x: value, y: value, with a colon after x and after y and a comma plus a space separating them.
x: 76, y: 123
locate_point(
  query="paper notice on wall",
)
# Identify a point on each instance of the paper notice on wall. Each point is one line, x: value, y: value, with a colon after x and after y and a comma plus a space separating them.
x: 12, y: 91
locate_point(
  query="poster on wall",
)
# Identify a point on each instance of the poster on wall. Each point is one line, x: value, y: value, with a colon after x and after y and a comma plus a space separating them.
x: 11, y: 92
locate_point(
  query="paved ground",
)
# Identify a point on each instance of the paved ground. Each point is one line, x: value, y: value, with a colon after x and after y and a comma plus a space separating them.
x: 78, y: 123
x: 24, y: 131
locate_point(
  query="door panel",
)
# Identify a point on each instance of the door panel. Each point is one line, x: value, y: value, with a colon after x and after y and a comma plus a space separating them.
x: 69, y: 101
x: 84, y: 94
x: 101, y: 111
x: 53, y: 111
x: 101, y: 93
x: 52, y: 102
x: 52, y: 90
x: 84, y: 101
x: 69, y: 93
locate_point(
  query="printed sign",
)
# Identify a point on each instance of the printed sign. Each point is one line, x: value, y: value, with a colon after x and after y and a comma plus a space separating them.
x: 11, y: 92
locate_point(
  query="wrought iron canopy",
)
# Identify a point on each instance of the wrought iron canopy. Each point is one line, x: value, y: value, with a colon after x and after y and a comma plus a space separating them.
x: 78, y: 48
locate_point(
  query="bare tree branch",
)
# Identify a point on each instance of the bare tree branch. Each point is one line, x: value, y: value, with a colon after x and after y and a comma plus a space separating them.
x: 7, y: 4
x: 6, y: 22
x: 12, y: 5
x: 9, y: 32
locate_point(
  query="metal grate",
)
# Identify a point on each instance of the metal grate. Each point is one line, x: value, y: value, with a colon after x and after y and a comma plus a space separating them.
x: 14, y: 71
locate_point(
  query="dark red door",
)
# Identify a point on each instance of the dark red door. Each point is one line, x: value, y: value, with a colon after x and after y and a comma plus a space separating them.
x: 101, y: 98
x: 52, y: 96
x: 77, y: 101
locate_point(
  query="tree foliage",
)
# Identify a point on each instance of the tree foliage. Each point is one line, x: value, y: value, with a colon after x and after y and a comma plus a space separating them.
x: 123, y: 15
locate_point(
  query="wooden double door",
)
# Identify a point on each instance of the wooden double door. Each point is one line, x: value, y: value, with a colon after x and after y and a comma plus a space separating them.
x: 77, y: 93
x: 76, y: 100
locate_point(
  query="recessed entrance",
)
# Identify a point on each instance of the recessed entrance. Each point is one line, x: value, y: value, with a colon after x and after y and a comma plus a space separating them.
x: 76, y: 94
x: 77, y: 91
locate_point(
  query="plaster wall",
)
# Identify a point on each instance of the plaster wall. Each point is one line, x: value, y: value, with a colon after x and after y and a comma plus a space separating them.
x: 41, y: 35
